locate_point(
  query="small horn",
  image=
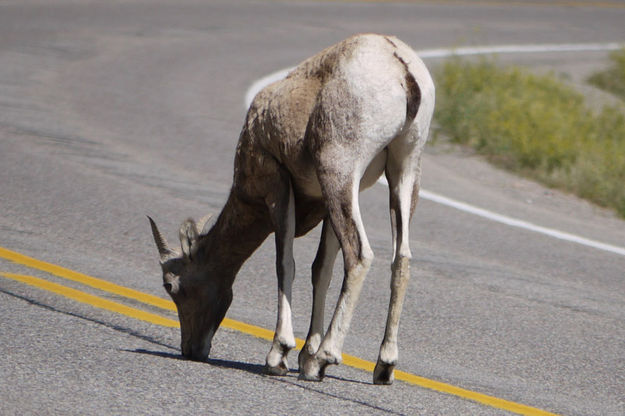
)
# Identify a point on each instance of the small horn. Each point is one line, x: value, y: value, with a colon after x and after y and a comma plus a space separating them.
x: 160, y: 241
x: 188, y: 238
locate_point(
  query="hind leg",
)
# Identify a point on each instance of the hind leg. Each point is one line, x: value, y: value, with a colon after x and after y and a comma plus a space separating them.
x: 403, y: 176
x: 340, y: 190
x: 351, y: 124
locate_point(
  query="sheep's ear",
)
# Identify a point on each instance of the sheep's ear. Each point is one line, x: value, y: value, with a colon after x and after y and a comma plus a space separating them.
x: 161, y: 243
x: 189, y: 238
x: 206, y: 223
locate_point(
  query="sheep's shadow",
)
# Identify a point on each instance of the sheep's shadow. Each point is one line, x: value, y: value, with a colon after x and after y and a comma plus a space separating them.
x: 256, y: 369
x: 235, y: 365
x: 290, y: 378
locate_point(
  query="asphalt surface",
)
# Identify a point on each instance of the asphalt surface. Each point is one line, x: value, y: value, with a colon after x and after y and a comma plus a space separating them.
x: 113, y: 110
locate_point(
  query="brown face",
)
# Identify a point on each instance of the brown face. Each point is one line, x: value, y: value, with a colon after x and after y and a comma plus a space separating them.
x: 201, y: 299
x: 201, y: 305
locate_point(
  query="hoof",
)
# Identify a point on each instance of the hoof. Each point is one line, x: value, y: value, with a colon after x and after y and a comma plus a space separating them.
x: 383, y: 374
x: 279, y: 370
x: 303, y: 357
x: 310, y: 377
x: 312, y: 369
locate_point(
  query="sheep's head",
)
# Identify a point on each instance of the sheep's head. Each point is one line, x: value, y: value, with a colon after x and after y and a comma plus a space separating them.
x: 200, y: 297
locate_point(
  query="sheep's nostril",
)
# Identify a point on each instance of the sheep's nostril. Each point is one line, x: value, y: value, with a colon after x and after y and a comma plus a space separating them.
x: 168, y: 287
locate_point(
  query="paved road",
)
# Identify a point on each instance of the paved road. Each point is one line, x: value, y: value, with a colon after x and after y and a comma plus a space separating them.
x: 113, y: 110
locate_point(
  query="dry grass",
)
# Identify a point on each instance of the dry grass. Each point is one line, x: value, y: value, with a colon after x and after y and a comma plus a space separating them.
x: 534, y: 125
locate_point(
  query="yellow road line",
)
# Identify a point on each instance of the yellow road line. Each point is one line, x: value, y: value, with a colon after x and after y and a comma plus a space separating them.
x: 86, y: 280
x: 115, y: 289
x: 92, y: 300
x: 256, y: 331
x: 492, y: 401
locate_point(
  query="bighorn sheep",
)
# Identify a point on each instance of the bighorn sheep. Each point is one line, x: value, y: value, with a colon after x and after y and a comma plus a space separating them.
x: 309, y: 144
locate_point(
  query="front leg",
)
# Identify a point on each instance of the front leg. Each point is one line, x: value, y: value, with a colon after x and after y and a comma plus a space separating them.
x: 321, y: 276
x: 281, y: 204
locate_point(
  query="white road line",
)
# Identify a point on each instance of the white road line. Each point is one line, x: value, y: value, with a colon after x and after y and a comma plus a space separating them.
x: 262, y: 83
x: 513, y: 222
x: 516, y: 49
x: 258, y: 85
x: 447, y: 52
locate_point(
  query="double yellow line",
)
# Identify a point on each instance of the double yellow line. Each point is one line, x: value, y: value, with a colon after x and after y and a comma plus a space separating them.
x: 243, y: 327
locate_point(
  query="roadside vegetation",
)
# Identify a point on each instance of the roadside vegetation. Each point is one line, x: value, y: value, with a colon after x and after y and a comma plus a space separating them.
x: 613, y: 78
x: 535, y: 125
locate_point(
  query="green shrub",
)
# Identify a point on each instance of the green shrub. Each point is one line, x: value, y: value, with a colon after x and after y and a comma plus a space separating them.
x: 535, y: 125
x: 613, y: 78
